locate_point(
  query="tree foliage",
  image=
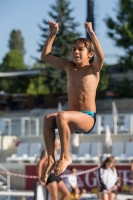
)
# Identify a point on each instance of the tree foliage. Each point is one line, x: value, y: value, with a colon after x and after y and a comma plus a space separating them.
x: 36, y: 85
x: 13, y: 61
x: 14, y: 85
x: 16, y: 41
x: 60, y: 12
x: 125, y: 89
x: 104, y: 80
x: 121, y: 31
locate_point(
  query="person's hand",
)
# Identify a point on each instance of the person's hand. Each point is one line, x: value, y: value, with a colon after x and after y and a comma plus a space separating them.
x: 41, y: 178
x: 108, y: 191
x: 53, y: 27
x: 40, y: 171
x: 40, y: 174
x: 115, y: 187
x: 88, y: 27
x: 41, y: 182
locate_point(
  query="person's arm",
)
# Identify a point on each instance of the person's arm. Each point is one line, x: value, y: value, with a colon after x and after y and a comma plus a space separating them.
x: 98, y: 61
x: 40, y: 165
x: 118, y: 181
x: 47, y: 49
x: 102, y: 185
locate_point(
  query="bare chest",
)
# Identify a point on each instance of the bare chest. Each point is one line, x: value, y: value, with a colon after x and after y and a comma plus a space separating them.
x: 82, y: 79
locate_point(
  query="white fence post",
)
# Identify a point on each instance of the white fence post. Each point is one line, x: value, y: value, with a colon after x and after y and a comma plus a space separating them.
x: 24, y: 119
x: 99, y: 125
x: 22, y: 126
x: 115, y: 125
x: 131, y: 124
x: 37, y: 125
x: 9, y: 125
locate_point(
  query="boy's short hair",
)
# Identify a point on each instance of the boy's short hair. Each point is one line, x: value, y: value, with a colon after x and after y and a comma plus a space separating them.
x: 88, y: 44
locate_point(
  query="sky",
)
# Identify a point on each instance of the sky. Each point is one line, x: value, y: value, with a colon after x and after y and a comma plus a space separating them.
x: 25, y: 15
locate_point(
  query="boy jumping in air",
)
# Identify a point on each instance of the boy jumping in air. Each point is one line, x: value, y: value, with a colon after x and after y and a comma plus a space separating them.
x: 82, y: 82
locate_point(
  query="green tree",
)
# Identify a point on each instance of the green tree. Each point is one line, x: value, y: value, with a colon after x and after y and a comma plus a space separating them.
x: 125, y: 89
x: 14, y: 85
x: 55, y: 79
x: 104, y: 80
x: 13, y: 61
x: 36, y: 85
x: 121, y: 31
x: 16, y: 41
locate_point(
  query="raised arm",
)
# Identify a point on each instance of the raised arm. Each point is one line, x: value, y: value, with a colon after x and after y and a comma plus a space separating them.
x: 47, y: 49
x: 98, y: 61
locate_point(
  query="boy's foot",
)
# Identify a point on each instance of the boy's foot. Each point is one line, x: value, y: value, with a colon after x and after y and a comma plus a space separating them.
x: 47, y: 171
x: 62, y: 165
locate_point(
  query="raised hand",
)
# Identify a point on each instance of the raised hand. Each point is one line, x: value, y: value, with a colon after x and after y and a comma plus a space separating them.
x: 88, y: 27
x: 53, y: 27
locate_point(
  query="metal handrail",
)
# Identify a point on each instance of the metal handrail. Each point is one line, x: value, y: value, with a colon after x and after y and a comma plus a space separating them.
x: 3, y: 179
x: 8, y: 180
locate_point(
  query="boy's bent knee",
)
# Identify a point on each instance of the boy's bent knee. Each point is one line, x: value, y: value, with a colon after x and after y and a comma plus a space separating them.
x: 48, y: 121
x: 46, y: 118
x: 62, y: 116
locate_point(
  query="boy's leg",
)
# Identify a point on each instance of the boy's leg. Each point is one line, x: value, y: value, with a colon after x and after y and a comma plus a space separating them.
x: 49, y: 138
x: 67, y: 120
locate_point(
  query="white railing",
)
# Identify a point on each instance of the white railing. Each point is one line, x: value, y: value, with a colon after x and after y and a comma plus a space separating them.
x: 29, y: 120
x: 33, y: 126
x: 8, y: 120
x: 17, y: 193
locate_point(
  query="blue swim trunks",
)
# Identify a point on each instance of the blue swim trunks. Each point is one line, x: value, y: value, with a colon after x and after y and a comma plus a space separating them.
x: 92, y: 114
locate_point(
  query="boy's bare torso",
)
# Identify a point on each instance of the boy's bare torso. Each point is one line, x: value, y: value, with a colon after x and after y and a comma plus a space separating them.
x: 81, y: 87
x: 82, y: 82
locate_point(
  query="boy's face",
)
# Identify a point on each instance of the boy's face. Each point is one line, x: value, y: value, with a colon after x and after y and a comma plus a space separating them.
x: 80, y: 53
